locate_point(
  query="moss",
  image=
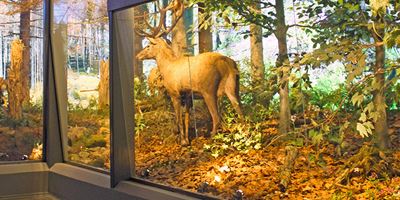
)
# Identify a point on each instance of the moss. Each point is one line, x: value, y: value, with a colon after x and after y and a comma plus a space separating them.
x: 96, y: 141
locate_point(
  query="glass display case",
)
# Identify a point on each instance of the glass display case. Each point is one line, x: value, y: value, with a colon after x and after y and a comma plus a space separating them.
x: 21, y: 81
x: 199, y: 99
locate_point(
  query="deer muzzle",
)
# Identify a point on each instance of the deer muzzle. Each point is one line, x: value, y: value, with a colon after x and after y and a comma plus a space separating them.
x: 141, y: 56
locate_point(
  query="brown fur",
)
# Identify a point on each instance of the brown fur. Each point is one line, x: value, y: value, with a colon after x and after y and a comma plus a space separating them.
x: 212, y: 75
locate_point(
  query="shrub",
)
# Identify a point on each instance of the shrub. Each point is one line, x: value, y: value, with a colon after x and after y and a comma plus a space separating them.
x: 240, y: 137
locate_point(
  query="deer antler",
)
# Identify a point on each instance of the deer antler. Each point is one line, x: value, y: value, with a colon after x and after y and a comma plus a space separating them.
x: 176, y: 6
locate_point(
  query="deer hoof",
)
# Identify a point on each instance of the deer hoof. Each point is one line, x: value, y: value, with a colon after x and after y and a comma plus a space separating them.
x: 185, y: 142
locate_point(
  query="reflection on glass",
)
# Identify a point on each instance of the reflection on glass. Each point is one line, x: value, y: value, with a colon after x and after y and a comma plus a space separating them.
x: 84, y: 29
x: 21, y: 81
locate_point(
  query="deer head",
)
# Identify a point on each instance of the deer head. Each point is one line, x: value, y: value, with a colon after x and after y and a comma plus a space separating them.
x: 155, y: 47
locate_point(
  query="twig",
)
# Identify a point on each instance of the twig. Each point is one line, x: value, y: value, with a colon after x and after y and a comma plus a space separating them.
x: 274, y: 139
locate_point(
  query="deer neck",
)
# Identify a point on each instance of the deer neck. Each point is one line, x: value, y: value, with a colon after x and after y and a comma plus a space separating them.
x: 164, y: 59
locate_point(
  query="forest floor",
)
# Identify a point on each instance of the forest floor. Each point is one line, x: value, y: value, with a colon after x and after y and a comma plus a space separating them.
x: 317, y: 173
x: 20, y: 139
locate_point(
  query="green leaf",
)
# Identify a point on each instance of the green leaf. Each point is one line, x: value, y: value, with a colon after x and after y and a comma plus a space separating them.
x: 362, y: 130
x: 357, y: 99
x: 378, y: 6
x: 363, y: 117
x: 370, y: 107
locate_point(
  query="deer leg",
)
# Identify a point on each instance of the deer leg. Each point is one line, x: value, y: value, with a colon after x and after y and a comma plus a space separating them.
x: 187, y: 119
x: 235, y: 103
x: 177, y: 107
x: 211, y: 102
x: 232, y: 91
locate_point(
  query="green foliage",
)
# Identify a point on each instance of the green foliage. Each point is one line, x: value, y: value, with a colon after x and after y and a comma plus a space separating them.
x: 140, y: 89
x: 393, y: 97
x: 240, y: 12
x: 392, y: 39
x: 7, y: 121
x: 257, y: 98
x: 140, y: 124
x: 331, y: 100
x: 239, y: 137
x: 75, y: 95
x: 260, y: 113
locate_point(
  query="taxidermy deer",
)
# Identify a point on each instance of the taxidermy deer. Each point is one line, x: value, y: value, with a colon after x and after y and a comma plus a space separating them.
x: 209, y: 74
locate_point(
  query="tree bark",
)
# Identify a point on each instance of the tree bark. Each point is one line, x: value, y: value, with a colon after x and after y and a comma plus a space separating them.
x: 104, y: 100
x: 257, y: 58
x: 205, y: 35
x: 179, y: 39
x: 283, y: 63
x: 379, y: 99
x: 138, y: 46
x: 15, y: 79
x: 25, y: 30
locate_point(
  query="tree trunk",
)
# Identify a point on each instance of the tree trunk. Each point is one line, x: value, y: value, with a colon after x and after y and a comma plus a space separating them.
x: 25, y: 30
x: 179, y: 40
x: 379, y: 100
x: 15, y: 80
x: 283, y: 63
x: 205, y: 35
x: 104, y: 100
x: 257, y: 59
x: 138, y: 46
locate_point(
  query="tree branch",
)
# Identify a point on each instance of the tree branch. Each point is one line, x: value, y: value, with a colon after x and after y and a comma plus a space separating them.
x: 301, y: 25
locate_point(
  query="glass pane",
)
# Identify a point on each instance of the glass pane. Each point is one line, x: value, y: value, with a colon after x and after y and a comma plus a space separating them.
x: 83, y: 28
x: 316, y: 104
x: 21, y: 80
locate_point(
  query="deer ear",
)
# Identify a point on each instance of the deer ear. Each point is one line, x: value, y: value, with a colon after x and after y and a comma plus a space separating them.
x: 152, y: 40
